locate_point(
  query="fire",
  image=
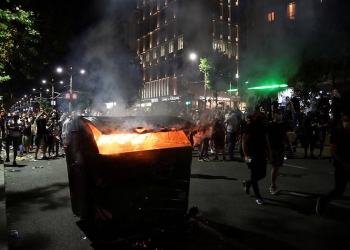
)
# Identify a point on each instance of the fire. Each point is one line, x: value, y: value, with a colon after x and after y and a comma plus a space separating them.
x: 130, y: 142
x: 121, y: 139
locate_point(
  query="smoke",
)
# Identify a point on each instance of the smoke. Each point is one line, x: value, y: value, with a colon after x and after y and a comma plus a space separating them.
x: 102, y: 50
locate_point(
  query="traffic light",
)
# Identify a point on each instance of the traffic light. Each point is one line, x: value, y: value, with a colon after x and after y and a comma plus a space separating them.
x: 187, y: 102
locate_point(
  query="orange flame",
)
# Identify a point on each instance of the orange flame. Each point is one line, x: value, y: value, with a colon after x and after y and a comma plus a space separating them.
x: 129, y: 142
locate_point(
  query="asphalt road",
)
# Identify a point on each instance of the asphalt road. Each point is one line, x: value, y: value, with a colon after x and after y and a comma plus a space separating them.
x: 38, y: 207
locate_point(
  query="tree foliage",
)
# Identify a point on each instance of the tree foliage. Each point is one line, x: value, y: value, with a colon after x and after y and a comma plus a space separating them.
x: 18, y: 38
x: 218, y: 71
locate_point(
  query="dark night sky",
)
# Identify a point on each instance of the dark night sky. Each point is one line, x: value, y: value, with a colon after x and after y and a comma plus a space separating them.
x: 93, y: 46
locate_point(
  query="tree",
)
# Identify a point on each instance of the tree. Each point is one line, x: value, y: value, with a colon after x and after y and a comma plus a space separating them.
x: 207, y: 68
x: 18, y: 38
x: 218, y: 71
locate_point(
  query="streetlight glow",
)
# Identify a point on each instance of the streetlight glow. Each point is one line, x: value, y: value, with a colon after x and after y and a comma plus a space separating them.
x: 193, y: 56
x: 59, y: 70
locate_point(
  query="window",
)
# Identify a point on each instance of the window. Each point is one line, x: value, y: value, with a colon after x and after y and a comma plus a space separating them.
x: 291, y: 11
x: 155, y: 53
x: 162, y: 50
x: 141, y: 59
x: 171, y: 46
x: 147, y: 56
x: 180, y: 43
x: 271, y: 16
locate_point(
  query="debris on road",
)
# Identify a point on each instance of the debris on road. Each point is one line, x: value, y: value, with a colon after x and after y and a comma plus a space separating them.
x: 37, y: 167
x: 14, y: 234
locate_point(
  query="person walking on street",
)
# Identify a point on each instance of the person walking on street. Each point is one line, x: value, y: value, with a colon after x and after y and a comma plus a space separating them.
x: 340, y: 144
x: 255, y: 144
x: 277, y: 136
x: 12, y: 126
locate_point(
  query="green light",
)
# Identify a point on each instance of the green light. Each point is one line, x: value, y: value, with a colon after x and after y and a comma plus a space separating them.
x: 269, y: 87
x: 231, y: 90
x: 188, y: 103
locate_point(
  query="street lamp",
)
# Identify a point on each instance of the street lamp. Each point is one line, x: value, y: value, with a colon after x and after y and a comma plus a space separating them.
x: 193, y: 57
x: 40, y: 91
x: 53, y: 90
x: 71, y: 74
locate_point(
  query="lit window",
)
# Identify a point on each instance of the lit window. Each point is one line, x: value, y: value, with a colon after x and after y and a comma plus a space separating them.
x: 271, y: 16
x: 155, y: 53
x: 291, y: 10
x: 141, y: 59
x: 162, y: 50
x: 180, y: 43
x: 147, y: 56
x: 171, y: 46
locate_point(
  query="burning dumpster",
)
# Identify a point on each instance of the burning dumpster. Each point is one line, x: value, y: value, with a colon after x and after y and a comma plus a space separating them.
x: 128, y: 174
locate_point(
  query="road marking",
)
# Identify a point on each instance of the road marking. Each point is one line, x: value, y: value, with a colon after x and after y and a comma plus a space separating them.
x: 293, y: 166
x: 339, y: 205
x: 299, y: 194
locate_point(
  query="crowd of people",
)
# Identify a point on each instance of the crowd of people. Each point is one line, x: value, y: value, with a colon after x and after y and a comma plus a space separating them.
x: 34, y: 131
x: 262, y: 135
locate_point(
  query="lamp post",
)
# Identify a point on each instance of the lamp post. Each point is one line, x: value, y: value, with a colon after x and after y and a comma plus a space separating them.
x: 52, y: 90
x: 40, y: 91
x: 193, y: 57
x: 70, y: 73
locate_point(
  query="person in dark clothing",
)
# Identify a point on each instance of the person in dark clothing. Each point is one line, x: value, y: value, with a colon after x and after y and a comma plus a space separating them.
x: 323, y: 123
x: 277, y: 136
x: 340, y: 143
x: 218, y: 138
x: 267, y: 107
x: 255, y: 144
x: 274, y: 104
x: 310, y: 134
x: 41, y: 134
x: 295, y: 103
x: 336, y: 107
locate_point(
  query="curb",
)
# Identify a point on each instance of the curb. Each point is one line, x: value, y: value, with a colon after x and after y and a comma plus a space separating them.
x: 3, y: 221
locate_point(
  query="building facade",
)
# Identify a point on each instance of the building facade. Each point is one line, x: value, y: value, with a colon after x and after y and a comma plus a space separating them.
x: 277, y: 36
x: 169, y: 31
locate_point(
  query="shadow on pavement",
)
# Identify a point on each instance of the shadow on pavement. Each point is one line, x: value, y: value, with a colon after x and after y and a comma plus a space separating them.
x: 181, y: 236
x: 245, y: 239
x: 212, y: 177
x: 43, y: 196
x: 18, y: 165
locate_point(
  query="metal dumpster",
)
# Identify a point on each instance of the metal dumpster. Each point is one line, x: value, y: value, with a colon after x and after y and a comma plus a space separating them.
x: 128, y: 174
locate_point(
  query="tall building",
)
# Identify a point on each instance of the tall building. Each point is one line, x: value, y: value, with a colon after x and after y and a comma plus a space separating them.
x: 278, y: 36
x: 169, y: 31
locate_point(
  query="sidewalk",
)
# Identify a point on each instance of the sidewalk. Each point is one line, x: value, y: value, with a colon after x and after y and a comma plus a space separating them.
x: 3, y: 222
